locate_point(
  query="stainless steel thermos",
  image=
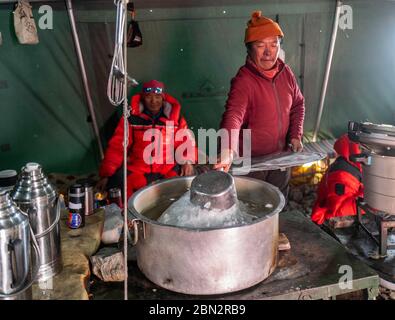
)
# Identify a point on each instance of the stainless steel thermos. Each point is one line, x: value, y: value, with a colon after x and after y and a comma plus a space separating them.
x: 38, y: 198
x: 16, y: 274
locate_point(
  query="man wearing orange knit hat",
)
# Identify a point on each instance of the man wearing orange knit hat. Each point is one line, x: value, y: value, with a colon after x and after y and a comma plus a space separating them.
x: 265, y: 98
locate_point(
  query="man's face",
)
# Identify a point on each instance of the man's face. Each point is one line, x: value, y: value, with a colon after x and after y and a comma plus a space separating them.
x: 153, y: 101
x: 265, y: 52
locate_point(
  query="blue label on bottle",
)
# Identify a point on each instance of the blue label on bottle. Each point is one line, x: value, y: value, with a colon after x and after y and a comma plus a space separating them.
x: 75, y: 220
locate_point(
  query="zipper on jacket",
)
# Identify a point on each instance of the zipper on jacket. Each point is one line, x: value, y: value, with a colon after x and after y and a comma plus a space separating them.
x: 280, y: 124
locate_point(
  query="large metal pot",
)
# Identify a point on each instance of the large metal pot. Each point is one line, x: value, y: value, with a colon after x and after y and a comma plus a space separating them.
x: 205, y: 261
x: 378, y: 163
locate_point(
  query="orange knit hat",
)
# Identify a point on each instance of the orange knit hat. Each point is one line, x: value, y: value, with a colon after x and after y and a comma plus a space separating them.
x: 260, y: 27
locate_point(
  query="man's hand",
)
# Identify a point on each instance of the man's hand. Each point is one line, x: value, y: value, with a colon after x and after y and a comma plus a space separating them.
x: 101, y: 184
x: 224, y: 160
x: 296, y: 145
x: 187, y: 170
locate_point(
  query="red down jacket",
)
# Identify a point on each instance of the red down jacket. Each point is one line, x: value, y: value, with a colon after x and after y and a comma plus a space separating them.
x: 340, y: 186
x: 160, y: 140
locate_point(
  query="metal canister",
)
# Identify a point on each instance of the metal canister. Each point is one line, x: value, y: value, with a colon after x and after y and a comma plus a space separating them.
x: 115, y: 196
x: 87, y: 184
x: 39, y: 199
x: 76, y: 206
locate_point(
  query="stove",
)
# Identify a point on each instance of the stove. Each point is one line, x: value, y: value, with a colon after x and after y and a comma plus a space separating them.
x: 377, y: 159
x: 384, y: 222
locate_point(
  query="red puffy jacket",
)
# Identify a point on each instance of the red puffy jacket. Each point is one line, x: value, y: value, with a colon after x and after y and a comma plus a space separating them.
x: 340, y: 186
x: 159, y: 134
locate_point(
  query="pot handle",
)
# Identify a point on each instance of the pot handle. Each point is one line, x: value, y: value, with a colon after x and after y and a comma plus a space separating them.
x: 353, y: 126
x: 15, y: 252
x: 361, y: 158
x: 59, y: 205
x: 353, y: 131
x: 135, y: 227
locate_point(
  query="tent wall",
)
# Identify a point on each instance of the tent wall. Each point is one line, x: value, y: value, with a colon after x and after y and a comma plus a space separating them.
x: 195, y: 50
x: 362, y: 84
x: 42, y: 103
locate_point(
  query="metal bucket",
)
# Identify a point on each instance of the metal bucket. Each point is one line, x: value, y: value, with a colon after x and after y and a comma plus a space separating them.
x: 205, y: 261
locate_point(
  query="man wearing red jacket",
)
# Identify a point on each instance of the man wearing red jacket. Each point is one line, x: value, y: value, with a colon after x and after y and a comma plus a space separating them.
x: 154, y: 121
x: 265, y: 98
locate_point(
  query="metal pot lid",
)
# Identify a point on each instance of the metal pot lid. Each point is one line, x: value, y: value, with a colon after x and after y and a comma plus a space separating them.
x: 377, y: 138
x: 277, y: 161
x: 369, y: 127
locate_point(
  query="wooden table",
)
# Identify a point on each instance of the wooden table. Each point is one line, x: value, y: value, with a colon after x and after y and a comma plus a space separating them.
x: 76, y: 247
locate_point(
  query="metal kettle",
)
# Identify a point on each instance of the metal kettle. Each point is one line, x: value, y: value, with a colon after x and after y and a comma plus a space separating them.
x: 38, y: 198
x: 16, y: 275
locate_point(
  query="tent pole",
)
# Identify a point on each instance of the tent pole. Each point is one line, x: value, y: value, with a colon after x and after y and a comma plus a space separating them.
x: 125, y: 149
x: 327, y: 70
x: 84, y: 76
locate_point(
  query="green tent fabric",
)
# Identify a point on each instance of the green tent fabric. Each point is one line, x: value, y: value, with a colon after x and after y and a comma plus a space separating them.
x: 43, y: 108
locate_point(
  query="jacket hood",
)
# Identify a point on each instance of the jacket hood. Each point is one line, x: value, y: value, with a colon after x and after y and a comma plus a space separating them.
x: 345, y: 147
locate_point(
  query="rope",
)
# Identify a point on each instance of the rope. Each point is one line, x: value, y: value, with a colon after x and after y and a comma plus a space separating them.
x: 116, y: 88
x: 116, y: 92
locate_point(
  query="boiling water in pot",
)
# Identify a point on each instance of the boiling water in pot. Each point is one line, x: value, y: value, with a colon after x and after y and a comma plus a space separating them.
x: 183, y: 214
x: 210, y: 202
